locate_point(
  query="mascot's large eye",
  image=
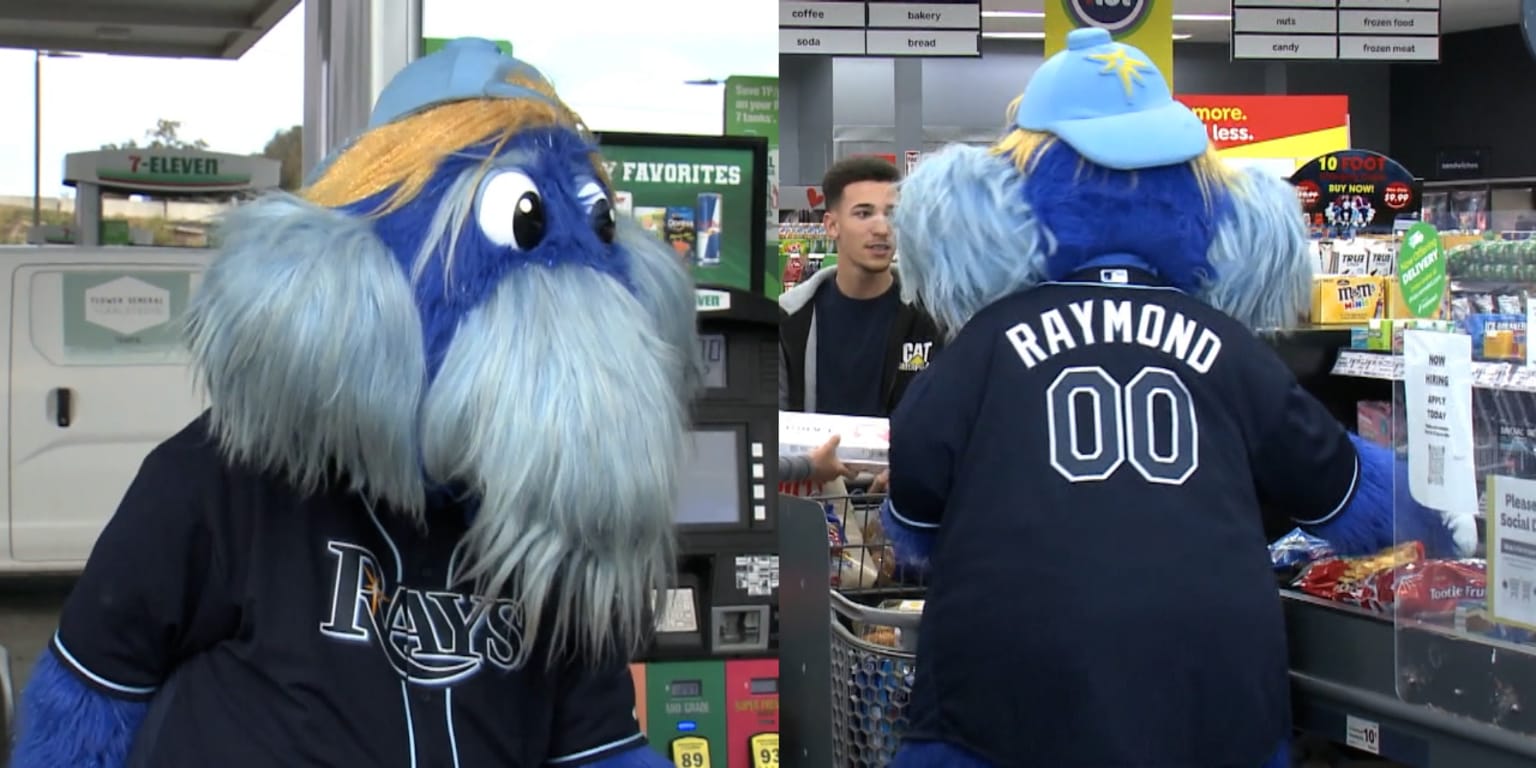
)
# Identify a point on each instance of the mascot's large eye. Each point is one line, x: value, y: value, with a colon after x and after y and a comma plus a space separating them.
x: 511, y: 212
x: 600, y: 213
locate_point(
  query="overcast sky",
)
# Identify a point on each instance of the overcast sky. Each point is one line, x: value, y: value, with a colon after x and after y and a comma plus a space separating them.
x: 622, y: 69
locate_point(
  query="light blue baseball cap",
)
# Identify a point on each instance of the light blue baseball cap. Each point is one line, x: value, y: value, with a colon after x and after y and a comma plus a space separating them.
x: 463, y: 69
x: 1108, y: 101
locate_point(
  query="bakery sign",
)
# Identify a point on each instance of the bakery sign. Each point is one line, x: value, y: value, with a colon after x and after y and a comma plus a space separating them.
x: 1295, y: 128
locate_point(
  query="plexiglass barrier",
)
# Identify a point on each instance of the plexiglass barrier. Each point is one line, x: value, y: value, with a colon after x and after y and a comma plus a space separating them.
x: 1463, y: 423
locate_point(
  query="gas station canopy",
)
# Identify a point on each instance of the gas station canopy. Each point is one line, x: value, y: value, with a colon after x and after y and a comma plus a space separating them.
x: 200, y: 29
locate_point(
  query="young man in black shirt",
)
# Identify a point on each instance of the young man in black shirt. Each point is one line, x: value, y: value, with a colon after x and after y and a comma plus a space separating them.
x: 849, y: 344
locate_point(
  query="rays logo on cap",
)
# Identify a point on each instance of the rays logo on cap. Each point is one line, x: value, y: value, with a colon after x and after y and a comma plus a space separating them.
x: 1119, y: 17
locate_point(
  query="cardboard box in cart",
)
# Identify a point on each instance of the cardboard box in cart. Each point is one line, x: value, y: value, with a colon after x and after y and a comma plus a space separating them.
x: 865, y: 441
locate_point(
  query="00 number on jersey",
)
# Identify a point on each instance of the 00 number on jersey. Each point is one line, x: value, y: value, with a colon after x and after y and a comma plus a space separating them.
x: 1123, y: 427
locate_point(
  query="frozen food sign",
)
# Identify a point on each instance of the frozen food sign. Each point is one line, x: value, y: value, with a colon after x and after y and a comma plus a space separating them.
x: 127, y: 305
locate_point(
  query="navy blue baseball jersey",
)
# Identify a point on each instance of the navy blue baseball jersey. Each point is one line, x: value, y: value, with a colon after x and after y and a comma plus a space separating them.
x: 1092, y: 456
x: 269, y: 628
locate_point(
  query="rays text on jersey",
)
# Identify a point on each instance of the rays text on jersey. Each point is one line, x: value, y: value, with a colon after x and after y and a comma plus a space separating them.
x: 431, y: 637
x: 1115, y: 321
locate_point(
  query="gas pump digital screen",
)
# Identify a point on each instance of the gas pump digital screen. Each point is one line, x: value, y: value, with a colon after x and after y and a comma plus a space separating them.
x: 711, y: 481
x: 712, y: 350
x: 685, y: 689
x: 763, y: 686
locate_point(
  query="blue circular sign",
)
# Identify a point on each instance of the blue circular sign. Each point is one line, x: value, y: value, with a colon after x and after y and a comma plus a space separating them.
x: 1119, y: 17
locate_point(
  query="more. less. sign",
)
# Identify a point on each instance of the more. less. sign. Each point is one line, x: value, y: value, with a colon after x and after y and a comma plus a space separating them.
x: 1288, y: 127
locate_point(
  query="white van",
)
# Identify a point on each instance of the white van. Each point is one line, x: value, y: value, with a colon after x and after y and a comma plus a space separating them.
x: 98, y: 376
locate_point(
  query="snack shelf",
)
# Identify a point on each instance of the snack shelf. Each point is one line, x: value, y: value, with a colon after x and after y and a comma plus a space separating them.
x: 1345, y: 687
x: 1505, y: 376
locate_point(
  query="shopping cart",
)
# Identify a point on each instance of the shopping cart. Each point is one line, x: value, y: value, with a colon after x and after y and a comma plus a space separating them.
x: 869, y: 637
x: 871, y: 683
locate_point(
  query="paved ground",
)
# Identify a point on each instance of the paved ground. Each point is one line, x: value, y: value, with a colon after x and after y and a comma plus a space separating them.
x: 29, y: 610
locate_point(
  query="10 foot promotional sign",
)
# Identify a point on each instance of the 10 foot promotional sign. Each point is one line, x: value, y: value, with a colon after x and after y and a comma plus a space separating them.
x: 1355, y: 191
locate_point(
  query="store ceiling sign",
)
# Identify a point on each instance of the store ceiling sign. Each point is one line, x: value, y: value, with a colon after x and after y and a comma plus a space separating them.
x: 821, y: 14
x: 939, y: 28
x: 1354, y: 30
x: 821, y: 42
x: 965, y: 15
x: 922, y: 42
x: 1295, y: 128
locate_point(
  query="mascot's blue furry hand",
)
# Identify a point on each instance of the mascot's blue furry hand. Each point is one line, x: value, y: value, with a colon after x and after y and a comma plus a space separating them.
x: 912, y: 546
x: 1372, y: 522
x: 639, y: 757
x: 64, y: 723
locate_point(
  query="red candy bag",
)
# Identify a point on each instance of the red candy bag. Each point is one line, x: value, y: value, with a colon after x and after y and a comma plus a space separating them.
x: 1364, y: 581
x: 1437, y: 586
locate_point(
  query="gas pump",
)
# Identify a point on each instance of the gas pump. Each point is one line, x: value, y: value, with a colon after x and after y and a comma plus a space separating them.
x: 709, y: 686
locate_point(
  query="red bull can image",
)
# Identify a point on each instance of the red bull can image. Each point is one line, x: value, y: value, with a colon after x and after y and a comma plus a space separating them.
x: 706, y: 227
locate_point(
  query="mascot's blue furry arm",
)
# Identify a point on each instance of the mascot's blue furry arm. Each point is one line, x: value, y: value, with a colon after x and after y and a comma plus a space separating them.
x: 63, y: 722
x: 1375, y: 517
x: 413, y: 322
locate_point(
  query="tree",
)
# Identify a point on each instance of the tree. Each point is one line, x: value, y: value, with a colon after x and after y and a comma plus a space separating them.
x: 163, y: 136
x: 287, y: 147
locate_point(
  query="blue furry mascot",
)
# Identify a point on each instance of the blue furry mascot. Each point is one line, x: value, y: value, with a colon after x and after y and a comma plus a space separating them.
x: 1088, y: 466
x: 421, y: 522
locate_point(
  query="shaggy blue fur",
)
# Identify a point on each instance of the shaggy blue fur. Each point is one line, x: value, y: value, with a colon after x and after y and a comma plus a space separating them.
x: 1264, y: 270
x: 1366, y: 525
x: 966, y: 235
x: 64, y: 723
x: 913, y: 546
x: 454, y: 267
x: 639, y: 757
x: 1157, y: 214
x: 305, y: 335
x: 971, y: 231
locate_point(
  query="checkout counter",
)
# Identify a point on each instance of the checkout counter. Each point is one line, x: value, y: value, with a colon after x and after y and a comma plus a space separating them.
x: 707, y: 692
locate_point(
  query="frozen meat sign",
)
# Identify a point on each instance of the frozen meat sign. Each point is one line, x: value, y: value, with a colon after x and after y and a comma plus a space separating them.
x: 1437, y: 384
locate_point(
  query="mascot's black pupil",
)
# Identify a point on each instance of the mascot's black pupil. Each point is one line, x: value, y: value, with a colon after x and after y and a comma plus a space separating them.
x: 528, y: 220
x: 603, y: 220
